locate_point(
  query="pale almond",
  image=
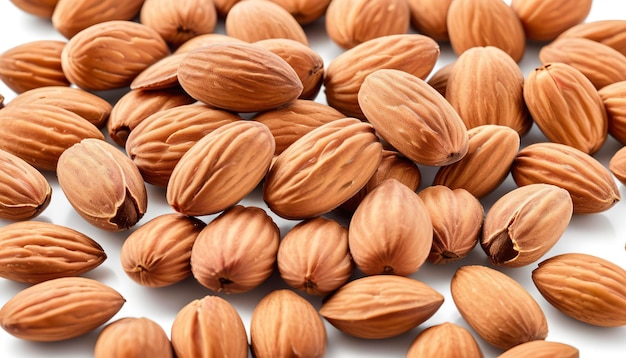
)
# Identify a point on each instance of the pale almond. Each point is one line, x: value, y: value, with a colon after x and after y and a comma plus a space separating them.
x: 545, y: 20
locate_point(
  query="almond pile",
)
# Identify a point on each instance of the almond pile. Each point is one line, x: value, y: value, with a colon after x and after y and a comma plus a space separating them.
x: 275, y: 201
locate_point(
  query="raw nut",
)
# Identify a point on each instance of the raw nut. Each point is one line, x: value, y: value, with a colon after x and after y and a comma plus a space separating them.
x: 322, y: 169
x: 617, y: 165
x: 566, y: 107
x: 381, y: 306
x: 24, y: 191
x: 439, y: 79
x: 209, y: 327
x: 157, y: 143
x: 200, y: 41
x: 257, y: 20
x: 162, y: 74
x: 224, y: 6
x: 352, y: 22
x: 585, y: 287
x: 292, y: 121
x: 237, y: 251
x: 413, y: 117
x: 412, y: 53
x: 605, y: 67
x: 179, y: 21
x: 609, y: 32
x: 445, y: 340
x: 284, y: 324
x: 89, y: 63
x: 541, y: 349
x: 492, y: 149
x: 485, y: 23
x: 221, y: 168
x: 304, y: 11
x: 32, y: 65
x: 158, y: 253
x: 71, y: 16
x: 102, y: 184
x: 33, y: 252
x: 498, y: 308
x: 59, y: 309
x: 525, y: 223
x: 205, y: 73
x: 614, y: 99
x: 545, y: 20
x: 429, y: 17
x: 133, y: 337
x: 390, y: 231
x: 457, y: 219
x: 589, y: 183
x: 40, y: 133
x: 308, y: 64
x: 313, y: 256
x: 94, y: 109
x: 491, y: 73
x: 41, y: 8
x: 135, y: 106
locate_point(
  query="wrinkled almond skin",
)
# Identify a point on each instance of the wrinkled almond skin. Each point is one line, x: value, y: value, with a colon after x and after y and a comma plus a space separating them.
x: 381, y: 306
x: 70, y: 16
x: 160, y: 75
x: 112, y: 193
x: 617, y: 165
x: 498, y: 308
x: 541, y: 349
x: 498, y: 26
x: 200, y: 41
x: 33, y: 65
x: 545, y: 20
x: 224, y: 6
x: 237, y: 251
x: 445, y: 340
x: 439, y: 79
x: 41, y: 8
x: 89, y: 63
x: 221, y: 168
x: 585, y: 287
x: 313, y: 256
x: 33, y: 252
x: 59, y: 309
x: 429, y: 17
x: 24, y: 191
x: 304, y: 11
x: 609, y: 32
x: 491, y: 151
x: 415, y: 54
x: 322, y: 169
x: 413, y: 117
x: 158, y: 253
x: 283, y: 324
x: 525, y: 223
x: 40, y: 133
x: 209, y: 327
x: 260, y: 81
x: 133, y: 337
x: 589, y: 183
x: 457, y: 220
x: 390, y: 231
x: 614, y: 99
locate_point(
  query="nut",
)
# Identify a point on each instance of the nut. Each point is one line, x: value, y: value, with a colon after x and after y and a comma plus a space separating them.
x: 429, y: 17
x: 304, y: 11
x: 541, y: 349
x: 71, y: 17
x: 614, y: 99
x: 200, y: 41
x: 133, y: 337
x: 41, y: 8
x: 617, y: 165
x: 446, y: 340
x: 162, y: 74
x: 439, y: 79
x: 608, y: 32
x: 544, y: 21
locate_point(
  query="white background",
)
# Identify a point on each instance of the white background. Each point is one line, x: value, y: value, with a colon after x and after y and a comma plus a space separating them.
x: 601, y: 234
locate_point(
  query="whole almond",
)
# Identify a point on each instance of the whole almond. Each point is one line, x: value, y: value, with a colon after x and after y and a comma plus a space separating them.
x: 205, y: 72
x: 41, y: 8
x: 33, y: 65
x: 413, y: 117
x: 585, y: 287
x: 200, y: 41
x: 158, y: 253
x: 224, y: 6
x: 541, y: 349
x: 160, y: 75
x: 589, y: 183
x: 33, y: 252
x: 111, y: 193
x: 617, y: 165
x: 322, y: 169
x: 133, y: 337
x: 59, y: 309
x: 209, y: 327
x: 545, y: 20
x: 221, y: 168
x: 445, y: 340
x: 283, y: 324
x: 439, y: 79
x: 24, y: 191
x: 412, y: 53
x: 71, y: 17
x: 304, y: 11
x: 498, y: 308
x: 609, y: 32
x: 566, y: 107
x: 614, y: 99
x: 429, y: 17
x: 381, y: 306
x: 236, y: 252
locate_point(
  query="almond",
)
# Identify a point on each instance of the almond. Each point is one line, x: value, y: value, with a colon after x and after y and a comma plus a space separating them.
x: 545, y: 20
x: 41, y: 8
x: 429, y: 17
x: 614, y: 99
x: 566, y: 107
x: 439, y: 79
x: 160, y: 75
x: 59, y: 309
x: 305, y: 11
x: 617, y: 165
x: 498, y: 308
x: 413, y: 117
x: 541, y: 349
x: 585, y: 287
x: 221, y: 168
x: 224, y: 6
x: 589, y: 183
x: 609, y: 32
x: 133, y: 337
x: 206, y: 40
x: 381, y: 306
x: 445, y: 340
x: 71, y: 17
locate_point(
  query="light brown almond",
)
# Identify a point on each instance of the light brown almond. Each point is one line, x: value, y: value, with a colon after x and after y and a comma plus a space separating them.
x: 617, y: 165
x: 541, y: 349
x: 614, y: 99
x: 439, y: 79
x: 304, y: 11
x: 545, y: 20
x: 160, y: 75
x: 41, y: 8
x: 206, y: 40
x: 133, y: 337
x: 445, y: 340
x: 429, y: 17
x: 71, y: 17
x: 609, y: 32
x: 224, y: 6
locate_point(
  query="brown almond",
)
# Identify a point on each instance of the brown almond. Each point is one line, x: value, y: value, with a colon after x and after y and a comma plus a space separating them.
x: 429, y: 17
x: 200, y: 41
x: 445, y: 340
x: 224, y: 6
x: 305, y: 11
x: 614, y: 99
x: 609, y: 32
x: 617, y: 165
x: 160, y: 75
x: 133, y: 337
x: 439, y: 79
x: 545, y: 20
x: 70, y: 17
x: 41, y: 8
x: 541, y: 349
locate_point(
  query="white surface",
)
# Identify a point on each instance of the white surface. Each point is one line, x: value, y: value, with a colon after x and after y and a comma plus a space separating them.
x: 602, y: 234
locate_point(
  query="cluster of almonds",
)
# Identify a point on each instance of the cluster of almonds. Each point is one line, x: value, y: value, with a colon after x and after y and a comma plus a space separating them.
x: 181, y: 128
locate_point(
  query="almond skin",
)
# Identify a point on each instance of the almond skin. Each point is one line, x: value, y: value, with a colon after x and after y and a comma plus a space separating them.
x: 71, y: 17
x: 541, y: 349
x: 614, y: 99
x: 206, y: 40
x: 160, y: 75
x: 445, y: 340
x: 41, y: 8
x: 617, y: 165
x: 545, y: 20
x: 429, y: 17
x: 133, y: 337
x: 304, y: 11
x: 439, y: 79
x: 609, y: 32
